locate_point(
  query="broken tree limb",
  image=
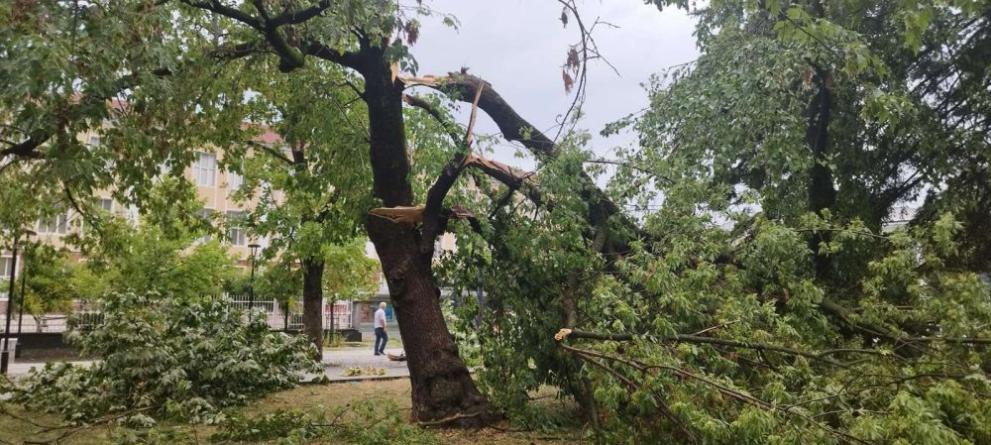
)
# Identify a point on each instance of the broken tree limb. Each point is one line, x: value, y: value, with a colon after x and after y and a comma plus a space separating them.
x: 462, y: 86
x: 564, y: 334
x: 474, y: 114
x: 450, y: 127
x: 823, y: 355
x: 431, y: 215
x: 513, y: 178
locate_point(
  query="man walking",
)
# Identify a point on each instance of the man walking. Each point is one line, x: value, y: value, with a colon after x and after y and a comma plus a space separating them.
x: 381, y: 338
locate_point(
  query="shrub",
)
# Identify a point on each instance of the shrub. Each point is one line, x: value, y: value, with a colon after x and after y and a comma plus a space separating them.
x: 166, y: 358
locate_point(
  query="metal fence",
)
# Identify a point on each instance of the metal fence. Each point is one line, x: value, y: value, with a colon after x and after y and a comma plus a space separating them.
x: 85, y: 316
x: 85, y: 320
x: 42, y: 324
x: 243, y: 304
x: 295, y: 321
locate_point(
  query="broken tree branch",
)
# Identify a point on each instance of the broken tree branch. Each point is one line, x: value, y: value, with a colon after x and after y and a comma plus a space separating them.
x: 515, y: 128
x: 300, y: 15
x: 722, y: 388
x: 435, y: 201
x: 425, y: 105
x: 474, y: 114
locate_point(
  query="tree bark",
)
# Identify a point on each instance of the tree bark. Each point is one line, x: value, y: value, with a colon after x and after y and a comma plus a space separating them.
x: 442, y: 388
x: 821, y: 190
x: 313, y: 302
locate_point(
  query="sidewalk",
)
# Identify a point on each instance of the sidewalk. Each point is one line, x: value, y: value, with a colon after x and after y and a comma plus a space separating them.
x: 336, y: 363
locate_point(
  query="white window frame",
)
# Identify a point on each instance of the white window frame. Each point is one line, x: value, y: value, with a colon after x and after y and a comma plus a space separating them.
x: 5, y: 263
x: 57, y: 224
x: 234, y: 180
x: 236, y: 234
x: 104, y: 201
x: 206, y: 214
x: 205, y: 169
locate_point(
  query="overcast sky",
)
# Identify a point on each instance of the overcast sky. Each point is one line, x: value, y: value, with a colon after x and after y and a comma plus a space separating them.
x: 520, y: 45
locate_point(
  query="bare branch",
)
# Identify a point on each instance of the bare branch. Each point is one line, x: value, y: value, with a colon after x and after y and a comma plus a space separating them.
x: 300, y: 16
x: 271, y: 151
x: 513, y: 178
x: 219, y: 8
x: 435, y: 200
x: 681, y: 338
x: 474, y: 115
x: 512, y: 126
x: 344, y: 58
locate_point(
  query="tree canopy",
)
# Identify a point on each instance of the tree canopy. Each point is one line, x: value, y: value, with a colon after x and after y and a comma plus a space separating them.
x: 744, y: 276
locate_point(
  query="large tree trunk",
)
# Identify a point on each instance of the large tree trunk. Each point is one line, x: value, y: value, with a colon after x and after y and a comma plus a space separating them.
x: 313, y: 302
x: 821, y: 190
x: 442, y: 387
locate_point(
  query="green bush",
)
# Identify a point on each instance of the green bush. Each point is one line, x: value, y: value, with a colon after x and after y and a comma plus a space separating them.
x: 166, y: 358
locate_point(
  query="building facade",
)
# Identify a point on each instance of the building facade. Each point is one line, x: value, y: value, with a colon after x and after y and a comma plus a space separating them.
x: 216, y: 189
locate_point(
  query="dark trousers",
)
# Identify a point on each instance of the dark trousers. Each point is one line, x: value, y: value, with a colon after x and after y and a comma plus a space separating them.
x: 381, y: 338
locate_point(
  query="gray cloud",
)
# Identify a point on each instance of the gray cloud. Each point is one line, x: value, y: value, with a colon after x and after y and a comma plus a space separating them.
x: 520, y: 45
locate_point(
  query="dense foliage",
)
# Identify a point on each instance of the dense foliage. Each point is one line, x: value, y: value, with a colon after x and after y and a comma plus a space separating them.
x: 775, y: 292
x: 167, y: 358
x: 747, y: 276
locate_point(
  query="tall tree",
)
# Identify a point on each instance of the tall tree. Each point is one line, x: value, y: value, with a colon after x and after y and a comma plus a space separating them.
x: 182, y: 70
x: 311, y: 183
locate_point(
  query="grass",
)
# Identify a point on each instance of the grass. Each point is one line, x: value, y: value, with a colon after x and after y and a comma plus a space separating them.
x: 19, y: 427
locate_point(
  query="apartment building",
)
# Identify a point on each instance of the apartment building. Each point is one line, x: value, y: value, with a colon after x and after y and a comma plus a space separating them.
x: 215, y: 188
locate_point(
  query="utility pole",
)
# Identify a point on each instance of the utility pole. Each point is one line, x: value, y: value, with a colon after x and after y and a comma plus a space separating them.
x: 251, y: 283
x: 24, y: 277
x: 5, y: 353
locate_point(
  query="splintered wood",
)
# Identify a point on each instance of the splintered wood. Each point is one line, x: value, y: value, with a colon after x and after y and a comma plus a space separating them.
x: 400, y: 215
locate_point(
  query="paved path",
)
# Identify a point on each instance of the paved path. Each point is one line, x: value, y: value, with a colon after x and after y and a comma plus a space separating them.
x: 336, y: 363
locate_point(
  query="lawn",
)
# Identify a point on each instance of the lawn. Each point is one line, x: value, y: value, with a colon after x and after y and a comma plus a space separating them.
x: 360, y: 401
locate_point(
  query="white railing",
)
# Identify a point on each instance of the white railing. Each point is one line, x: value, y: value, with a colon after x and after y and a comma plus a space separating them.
x: 295, y: 321
x: 86, y: 316
x: 45, y: 323
x: 341, y: 316
x: 264, y: 305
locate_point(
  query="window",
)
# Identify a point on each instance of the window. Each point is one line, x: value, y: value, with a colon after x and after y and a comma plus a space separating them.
x: 235, y: 229
x: 5, y: 263
x: 206, y: 216
x: 234, y: 180
x: 205, y: 169
x: 107, y: 204
x: 58, y: 223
